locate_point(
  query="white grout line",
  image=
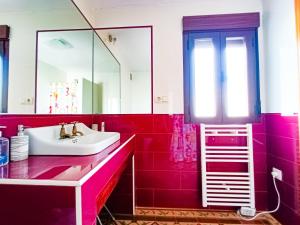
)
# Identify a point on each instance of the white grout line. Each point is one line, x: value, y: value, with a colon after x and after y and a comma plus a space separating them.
x: 40, y: 182
x: 133, y: 186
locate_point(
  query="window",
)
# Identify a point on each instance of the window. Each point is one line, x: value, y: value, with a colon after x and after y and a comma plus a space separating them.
x: 4, y: 30
x: 221, y: 69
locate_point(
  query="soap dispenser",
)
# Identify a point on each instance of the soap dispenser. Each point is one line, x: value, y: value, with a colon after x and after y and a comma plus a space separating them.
x: 4, y: 149
x: 19, y: 145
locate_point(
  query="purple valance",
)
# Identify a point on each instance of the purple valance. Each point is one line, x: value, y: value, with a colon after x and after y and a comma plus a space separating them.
x: 4, y: 32
x: 222, y: 21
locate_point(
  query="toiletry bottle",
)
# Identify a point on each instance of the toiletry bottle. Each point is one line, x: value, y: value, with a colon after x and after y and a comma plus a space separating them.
x: 103, y: 127
x: 4, y: 149
x: 21, y: 130
x: 19, y: 145
x: 95, y: 126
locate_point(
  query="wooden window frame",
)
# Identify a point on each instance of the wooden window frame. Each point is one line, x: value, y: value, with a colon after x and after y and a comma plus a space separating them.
x: 4, y: 52
x: 224, y: 25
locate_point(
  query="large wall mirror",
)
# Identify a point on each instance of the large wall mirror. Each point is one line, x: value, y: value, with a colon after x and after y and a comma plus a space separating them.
x: 25, y: 18
x: 76, y: 73
x: 59, y: 65
x: 64, y: 73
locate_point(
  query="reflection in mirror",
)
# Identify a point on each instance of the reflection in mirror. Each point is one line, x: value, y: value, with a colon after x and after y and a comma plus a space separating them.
x: 64, y: 72
x: 25, y: 18
x: 106, y: 89
x: 132, y: 48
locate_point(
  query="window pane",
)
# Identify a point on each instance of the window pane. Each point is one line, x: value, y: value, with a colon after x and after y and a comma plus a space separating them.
x: 236, y: 77
x: 205, y: 78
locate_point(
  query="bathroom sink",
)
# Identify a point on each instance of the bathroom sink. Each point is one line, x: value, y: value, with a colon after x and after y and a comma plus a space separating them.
x: 45, y: 141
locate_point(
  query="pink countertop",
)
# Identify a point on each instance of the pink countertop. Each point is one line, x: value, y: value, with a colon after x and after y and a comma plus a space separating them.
x: 59, y: 170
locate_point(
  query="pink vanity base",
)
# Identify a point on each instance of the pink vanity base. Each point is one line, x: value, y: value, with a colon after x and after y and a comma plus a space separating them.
x: 71, y: 190
x: 37, y: 205
x: 96, y: 190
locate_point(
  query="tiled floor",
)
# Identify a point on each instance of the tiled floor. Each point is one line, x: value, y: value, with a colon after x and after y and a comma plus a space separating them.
x: 149, y: 216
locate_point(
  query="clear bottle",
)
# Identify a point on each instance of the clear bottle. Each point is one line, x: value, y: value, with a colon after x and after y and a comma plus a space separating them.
x: 4, y: 149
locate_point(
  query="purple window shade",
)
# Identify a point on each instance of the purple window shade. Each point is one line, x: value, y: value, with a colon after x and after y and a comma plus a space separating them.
x: 223, y: 21
x: 4, y: 32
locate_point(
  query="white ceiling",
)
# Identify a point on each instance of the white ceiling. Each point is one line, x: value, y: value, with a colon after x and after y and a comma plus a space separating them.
x: 25, y: 5
x: 98, y: 4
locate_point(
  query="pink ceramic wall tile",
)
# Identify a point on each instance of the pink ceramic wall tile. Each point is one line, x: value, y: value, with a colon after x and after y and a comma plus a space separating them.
x: 167, y: 161
x: 283, y: 153
x: 153, y: 142
x: 166, y: 123
x: 144, y: 197
x: 131, y: 123
x: 260, y: 161
x: 177, y: 198
x: 286, y: 215
x: 283, y: 147
x: 260, y: 200
x: 158, y: 179
x: 260, y: 182
x: 144, y: 160
x: 190, y: 180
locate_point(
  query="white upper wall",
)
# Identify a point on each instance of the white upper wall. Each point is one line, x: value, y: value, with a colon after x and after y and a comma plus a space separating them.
x: 280, y: 56
x: 166, y: 19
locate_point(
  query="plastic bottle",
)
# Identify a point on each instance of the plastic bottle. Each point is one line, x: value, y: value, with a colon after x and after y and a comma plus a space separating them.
x: 19, y: 145
x: 4, y: 149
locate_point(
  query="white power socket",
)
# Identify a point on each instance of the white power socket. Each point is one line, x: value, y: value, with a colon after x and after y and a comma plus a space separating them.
x: 278, y: 173
x: 247, y: 211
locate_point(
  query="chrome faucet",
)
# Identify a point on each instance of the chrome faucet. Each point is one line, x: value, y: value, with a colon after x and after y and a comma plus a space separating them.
x: 75, y: 132
x: 63, y: 134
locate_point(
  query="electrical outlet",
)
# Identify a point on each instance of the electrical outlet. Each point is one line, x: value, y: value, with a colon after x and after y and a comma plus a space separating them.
x: 27, y: 101
x: 278, y: 173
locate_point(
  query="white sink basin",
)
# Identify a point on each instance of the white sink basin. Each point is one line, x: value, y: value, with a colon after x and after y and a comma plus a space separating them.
x: 45, y: 141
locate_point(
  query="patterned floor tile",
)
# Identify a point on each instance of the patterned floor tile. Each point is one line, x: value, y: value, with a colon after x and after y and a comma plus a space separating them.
x: 153, y: 216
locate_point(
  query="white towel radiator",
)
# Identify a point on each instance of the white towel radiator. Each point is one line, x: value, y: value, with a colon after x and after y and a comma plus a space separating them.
x: 224, y: 188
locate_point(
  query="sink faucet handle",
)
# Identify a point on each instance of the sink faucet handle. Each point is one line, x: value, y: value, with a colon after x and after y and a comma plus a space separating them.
x: 75, y: 132
x: 21, y: 127
x: 63, y: 134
